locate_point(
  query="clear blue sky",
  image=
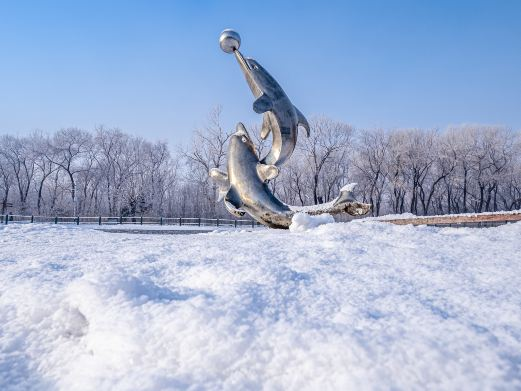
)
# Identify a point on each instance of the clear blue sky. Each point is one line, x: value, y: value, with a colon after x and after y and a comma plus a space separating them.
x: 155, y: 69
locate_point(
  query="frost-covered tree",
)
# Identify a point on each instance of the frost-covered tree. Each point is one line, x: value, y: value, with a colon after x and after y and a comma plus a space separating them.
x: 207, y: 150
x: 470, y: 168
x: 19, y: 159
x: 68, y: 150
x: 327, y: 146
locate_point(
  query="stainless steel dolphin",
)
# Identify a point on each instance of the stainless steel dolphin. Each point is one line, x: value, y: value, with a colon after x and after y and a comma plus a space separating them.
x: 245, y: 188
x: 280, y: 117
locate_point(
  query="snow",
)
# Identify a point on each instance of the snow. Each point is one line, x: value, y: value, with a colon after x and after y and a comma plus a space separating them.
x: 360, y: 305
x: 301, y: 222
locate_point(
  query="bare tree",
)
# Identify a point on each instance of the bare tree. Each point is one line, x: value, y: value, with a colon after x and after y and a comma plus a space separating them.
x: 5, y: 180
x: 371, y: 163
x: 21, y: 161
x: 207, y: 151
x: 328, y: 141
x: 465, y: 168
x: 68, y: 149
x: 44, y: 166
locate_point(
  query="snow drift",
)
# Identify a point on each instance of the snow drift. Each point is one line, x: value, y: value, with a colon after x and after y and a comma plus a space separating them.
x: 362, y: 305
x: 302, y: 221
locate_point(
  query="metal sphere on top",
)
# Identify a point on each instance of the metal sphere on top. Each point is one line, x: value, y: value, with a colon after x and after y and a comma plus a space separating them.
x: 229, y: 40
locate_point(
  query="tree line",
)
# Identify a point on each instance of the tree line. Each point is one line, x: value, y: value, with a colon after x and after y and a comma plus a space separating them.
x: 470, y: 168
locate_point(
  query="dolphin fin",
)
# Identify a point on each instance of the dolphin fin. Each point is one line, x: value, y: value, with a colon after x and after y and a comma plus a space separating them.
x: 221, y: 178
x: 267, y: 171
x: 233, y: 198
x: 262, y: 104
x: 234, y: 211
x: 266, y: 127
x: 302, y: 121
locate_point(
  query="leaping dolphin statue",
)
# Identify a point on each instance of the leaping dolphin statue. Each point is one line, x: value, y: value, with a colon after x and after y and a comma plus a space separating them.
x: 280, y: 117
x: 245, y: 187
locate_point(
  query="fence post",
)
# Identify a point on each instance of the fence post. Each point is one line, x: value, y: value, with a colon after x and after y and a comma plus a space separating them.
x: 6, y: 218
x: 199, y: 221
x: 99, y: 220
x: 217, y: 221
x: 179, y: 221
x: 235, y: 221
x: 77, y: 220
x: 55, y: 219
x: 253, y: 223
x: 121, y: 219
x: 32, y: 219
x: 161, y: 221
x: 141, y: 220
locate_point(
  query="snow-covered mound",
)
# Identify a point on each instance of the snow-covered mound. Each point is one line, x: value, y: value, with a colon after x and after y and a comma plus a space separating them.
x: 361, y: 305
x: 302, y: 221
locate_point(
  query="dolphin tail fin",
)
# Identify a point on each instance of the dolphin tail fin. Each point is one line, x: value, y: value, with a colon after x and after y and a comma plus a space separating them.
x: 221, y: 179
x: 346, y: 194
x: 302, y: 121
x: 347, y: 202
x: 262, y: 104
x: 234, y: 211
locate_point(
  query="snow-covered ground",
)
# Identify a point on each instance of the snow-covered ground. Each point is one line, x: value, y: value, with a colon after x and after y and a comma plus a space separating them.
x: 345, y: 306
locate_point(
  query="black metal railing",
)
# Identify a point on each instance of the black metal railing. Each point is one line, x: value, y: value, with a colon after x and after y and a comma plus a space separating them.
x: 139, y: 220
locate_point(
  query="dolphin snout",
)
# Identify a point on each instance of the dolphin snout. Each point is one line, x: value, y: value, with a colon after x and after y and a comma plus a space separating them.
x: 240, y: 130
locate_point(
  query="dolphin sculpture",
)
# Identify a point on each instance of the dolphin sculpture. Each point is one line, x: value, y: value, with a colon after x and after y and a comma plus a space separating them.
x: 280, y: 117
x: 245, y: 187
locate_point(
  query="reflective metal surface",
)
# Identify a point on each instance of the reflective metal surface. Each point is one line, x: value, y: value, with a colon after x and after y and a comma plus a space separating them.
x: 280, y: 117
x: 244, y: 187
x: 229, y: 41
